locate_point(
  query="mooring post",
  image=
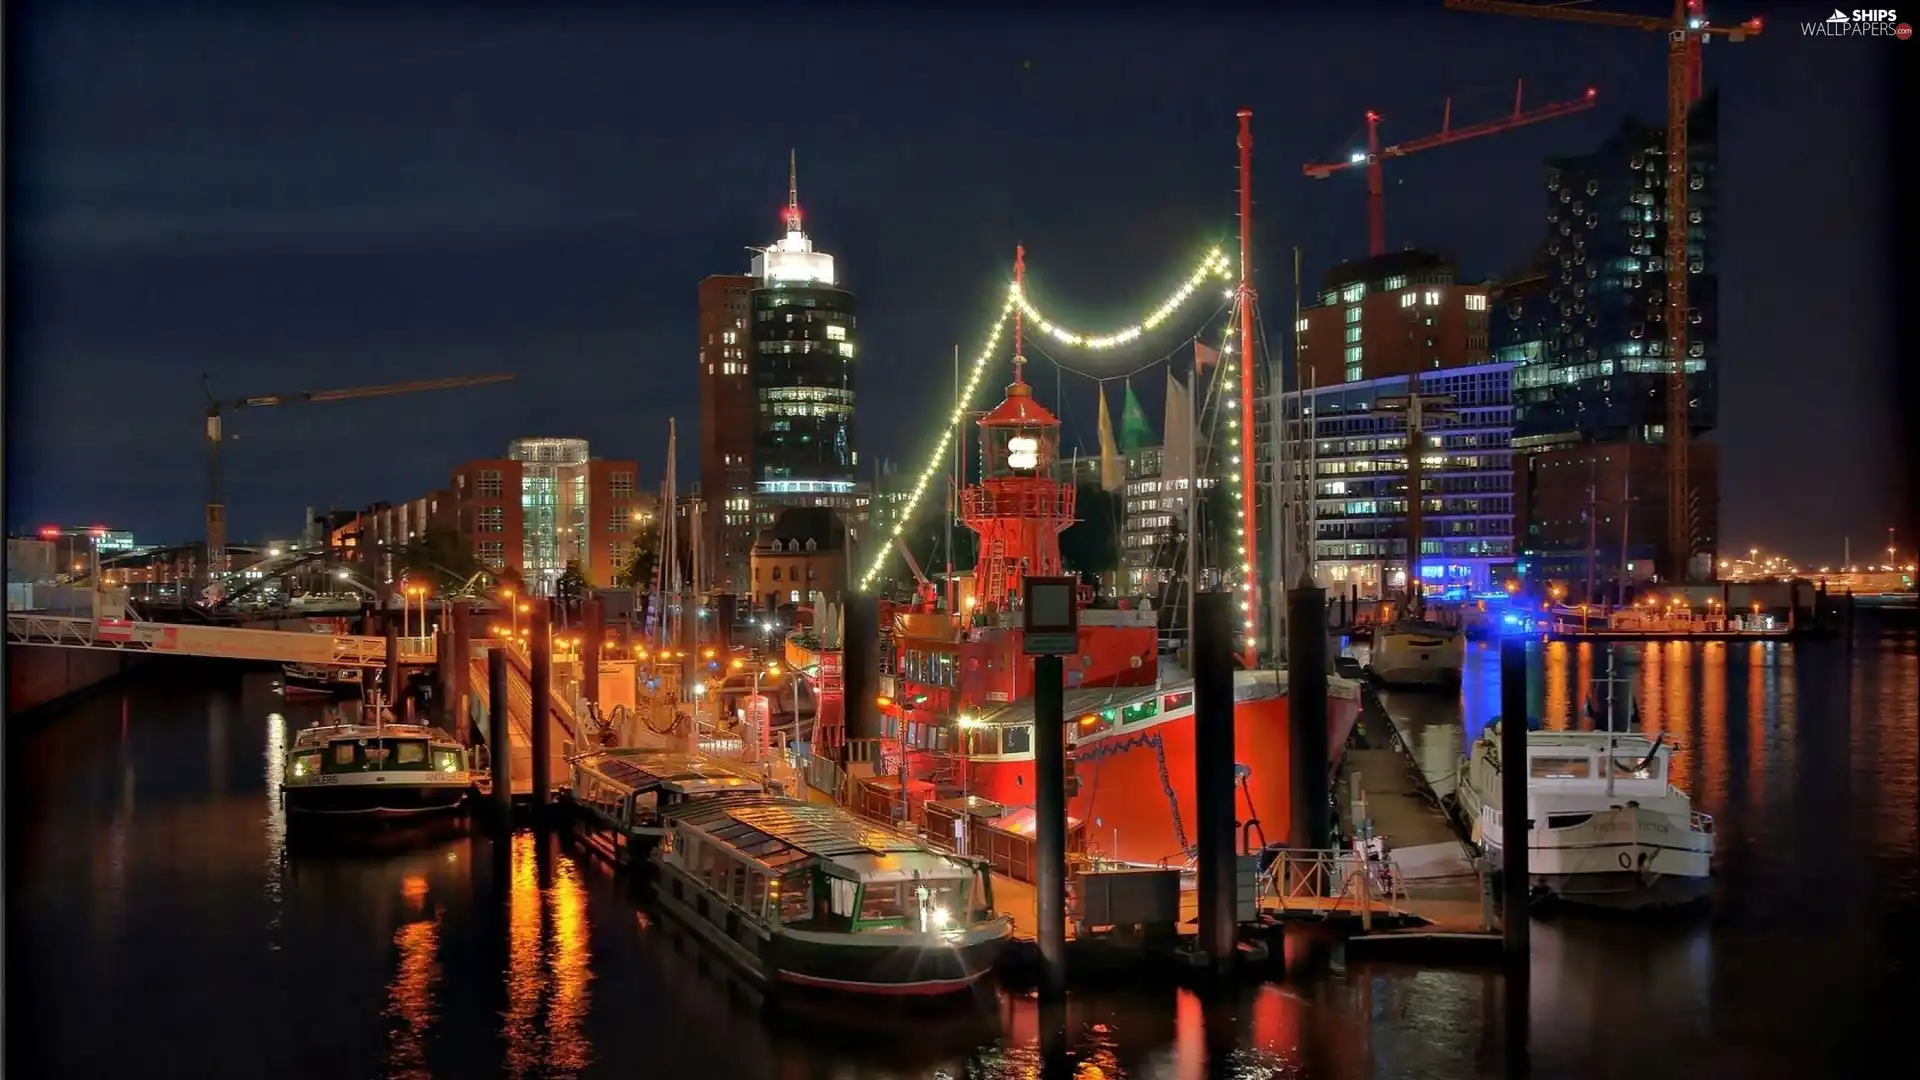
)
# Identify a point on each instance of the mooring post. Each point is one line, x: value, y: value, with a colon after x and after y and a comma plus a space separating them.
x: 1050, y: 621
x: 499, y: 732
x: 459, y: 671
x: 861, y: 668
x: 1513, y: 797
x: 1050, y: 809
x: 592, y: 636
x: 1213, y: 772
x: 1516, y: 876
x: 1311, y: 826
x: 540, y: 687
x: 393, y: 666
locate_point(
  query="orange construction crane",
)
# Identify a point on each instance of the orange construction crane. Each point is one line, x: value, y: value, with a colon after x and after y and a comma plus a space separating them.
x: 216, y: 409
x: 1376, y: 154
x: 1686, y: 30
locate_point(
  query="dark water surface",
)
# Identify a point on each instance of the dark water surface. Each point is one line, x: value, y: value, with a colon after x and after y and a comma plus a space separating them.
x: 155, y: 929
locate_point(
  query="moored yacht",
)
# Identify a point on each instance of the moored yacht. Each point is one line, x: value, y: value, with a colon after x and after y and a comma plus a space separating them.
x: 374, y: 772
x: 1606, y: 827
x: 1416, y: 650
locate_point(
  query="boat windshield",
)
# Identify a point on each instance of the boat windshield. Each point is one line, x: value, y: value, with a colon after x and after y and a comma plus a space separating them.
x: 941, y: 900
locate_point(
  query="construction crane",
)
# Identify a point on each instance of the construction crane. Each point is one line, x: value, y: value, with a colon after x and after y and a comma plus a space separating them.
x: 215, y: 434
x: 1376, y: 154
x: 1686, y: 31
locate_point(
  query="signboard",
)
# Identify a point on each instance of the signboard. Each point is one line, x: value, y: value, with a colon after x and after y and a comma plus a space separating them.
x: 1050, y: 615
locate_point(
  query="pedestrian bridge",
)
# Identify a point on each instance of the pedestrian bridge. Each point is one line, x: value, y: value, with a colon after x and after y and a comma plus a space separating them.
x: 215, y: 642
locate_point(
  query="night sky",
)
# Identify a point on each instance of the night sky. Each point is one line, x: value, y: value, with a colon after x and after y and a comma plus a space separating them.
x: 329, y: 197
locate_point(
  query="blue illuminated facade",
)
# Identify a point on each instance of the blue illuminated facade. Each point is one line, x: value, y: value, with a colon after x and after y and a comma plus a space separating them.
x: 1360, y: 483
x: 1600, y: 372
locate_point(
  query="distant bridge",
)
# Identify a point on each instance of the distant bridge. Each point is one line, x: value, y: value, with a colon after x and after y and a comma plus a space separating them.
x: 214, y: 642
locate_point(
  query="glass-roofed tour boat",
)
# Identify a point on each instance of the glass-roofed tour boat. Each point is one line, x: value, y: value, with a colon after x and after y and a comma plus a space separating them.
x: 804, y: 895
x: 619, y: 795
x: 374, y: 772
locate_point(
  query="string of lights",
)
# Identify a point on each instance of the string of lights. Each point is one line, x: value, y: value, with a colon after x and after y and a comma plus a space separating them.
x: 1184, y: 349
x: 1215, y: 264
x: 1232, y: 476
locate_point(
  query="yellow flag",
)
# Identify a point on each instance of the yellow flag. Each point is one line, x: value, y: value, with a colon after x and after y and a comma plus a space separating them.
x: 1113, y: 472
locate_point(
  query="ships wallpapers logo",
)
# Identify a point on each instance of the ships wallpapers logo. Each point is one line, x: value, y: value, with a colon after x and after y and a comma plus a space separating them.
x: 1877, y: 22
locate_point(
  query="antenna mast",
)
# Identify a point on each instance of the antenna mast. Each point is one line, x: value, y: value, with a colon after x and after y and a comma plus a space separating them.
x: 1248, y: 531
x: 1020, y: 285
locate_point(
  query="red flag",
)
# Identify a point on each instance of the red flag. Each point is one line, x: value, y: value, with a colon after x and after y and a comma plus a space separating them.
x: 1204, y: 357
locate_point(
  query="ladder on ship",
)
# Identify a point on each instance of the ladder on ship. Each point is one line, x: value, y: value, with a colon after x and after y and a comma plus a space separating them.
x: 997, y: 573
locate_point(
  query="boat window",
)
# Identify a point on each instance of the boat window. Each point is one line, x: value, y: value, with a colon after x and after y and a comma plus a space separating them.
x: 1560, y: 768
x: 1138, y: 711
x: 1181, y: 700
x: 945, y: 899
x: 309, y: 763
x: 756, y: 899
x: 737, y: 889
x: 410, y: 753
x: 1017, y: 740
x: 881, y: 900
x: 646, y: 806
x: 796, y: 897
x: 343, y: 753
x: 840, y: 894
x: 983, y: 740
x: 448, y: 761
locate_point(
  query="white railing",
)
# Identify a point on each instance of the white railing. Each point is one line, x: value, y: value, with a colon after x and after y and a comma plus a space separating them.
x: 1330, y: 881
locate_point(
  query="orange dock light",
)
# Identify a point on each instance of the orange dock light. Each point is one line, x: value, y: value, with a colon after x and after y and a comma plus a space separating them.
x: 884, y: 701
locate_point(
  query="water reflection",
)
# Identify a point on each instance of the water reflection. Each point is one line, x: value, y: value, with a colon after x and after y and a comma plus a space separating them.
x: 470, y: 958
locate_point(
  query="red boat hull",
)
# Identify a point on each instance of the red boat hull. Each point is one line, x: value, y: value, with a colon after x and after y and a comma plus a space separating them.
x: 1136, y: 794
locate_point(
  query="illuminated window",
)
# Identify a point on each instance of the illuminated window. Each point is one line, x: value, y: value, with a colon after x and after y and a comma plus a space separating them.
x: 1353, y: 314
x: 1476, y: 302
x: 1408, y: 299
x: 836, y: 333
x: 1353, y: 335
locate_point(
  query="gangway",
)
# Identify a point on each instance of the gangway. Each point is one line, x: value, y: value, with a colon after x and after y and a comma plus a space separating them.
x: 566, y: 738
x: 215, y: 642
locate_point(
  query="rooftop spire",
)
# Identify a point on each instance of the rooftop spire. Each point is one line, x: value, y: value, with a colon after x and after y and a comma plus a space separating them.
x: 793, y: 191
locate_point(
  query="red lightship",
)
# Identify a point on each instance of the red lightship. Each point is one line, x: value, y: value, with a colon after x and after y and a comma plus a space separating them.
x: 959, y: 689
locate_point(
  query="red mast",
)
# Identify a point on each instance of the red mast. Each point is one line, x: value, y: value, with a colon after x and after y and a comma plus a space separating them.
x: 1250, y: 600
x: 1018, y: 508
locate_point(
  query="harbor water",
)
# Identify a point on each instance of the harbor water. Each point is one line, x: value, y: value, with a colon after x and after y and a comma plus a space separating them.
x: 155, y: 923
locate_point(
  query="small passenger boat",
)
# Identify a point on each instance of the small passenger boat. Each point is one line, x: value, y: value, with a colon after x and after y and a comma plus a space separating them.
x: 374, y: 772
x: 319, y: 681
x: 618, y: 796
x: 800, y: 895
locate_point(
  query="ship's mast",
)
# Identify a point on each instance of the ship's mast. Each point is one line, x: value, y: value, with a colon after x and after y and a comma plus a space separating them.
x: 1248, y: 545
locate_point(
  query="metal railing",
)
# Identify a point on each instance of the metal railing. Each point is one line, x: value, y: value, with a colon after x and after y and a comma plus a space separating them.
x: 1331, y: 881
x: 214, y: 642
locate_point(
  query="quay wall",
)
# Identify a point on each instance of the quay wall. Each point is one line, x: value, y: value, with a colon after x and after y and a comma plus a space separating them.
x: 42, y: 677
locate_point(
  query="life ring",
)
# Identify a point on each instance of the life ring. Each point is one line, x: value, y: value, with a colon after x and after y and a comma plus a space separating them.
x: 1626, y: 861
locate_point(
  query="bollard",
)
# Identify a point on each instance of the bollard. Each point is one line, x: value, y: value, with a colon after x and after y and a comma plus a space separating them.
x: 1513, y: 798
x: 1213, y: 772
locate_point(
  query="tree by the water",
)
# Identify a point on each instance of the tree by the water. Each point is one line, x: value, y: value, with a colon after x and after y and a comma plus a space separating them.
x: 637, y: 574
x: 571, y: 589
x: 440, y: 558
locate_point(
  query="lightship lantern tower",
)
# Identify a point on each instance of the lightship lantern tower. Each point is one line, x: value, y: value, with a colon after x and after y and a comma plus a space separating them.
x: 1018, y: 508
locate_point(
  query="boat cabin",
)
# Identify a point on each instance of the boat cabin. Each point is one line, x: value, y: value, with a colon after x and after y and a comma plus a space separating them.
x: 356, y: 748
x: 630, y: 787
x: 1578, y: 761
x: 789, y: 863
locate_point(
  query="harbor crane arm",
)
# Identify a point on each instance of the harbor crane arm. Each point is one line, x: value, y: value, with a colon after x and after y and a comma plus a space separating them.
x: 216, y: 436
x: 1375, y: 154
x: 1686, y: 30
x: 926, y: 587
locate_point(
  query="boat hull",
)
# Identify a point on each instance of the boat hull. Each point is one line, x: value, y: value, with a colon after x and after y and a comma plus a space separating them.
x: 373, y: 803
x: 297, y: 683
x: 1418, y: 658
x: 1627, y: 859
x: 1135, y: 797
x: 884, y: 964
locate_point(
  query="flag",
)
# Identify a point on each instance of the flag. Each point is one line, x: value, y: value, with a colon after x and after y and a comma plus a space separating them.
x: 1204, y: 356
x: 1135, y: 431
x: 1176, y: 462
x: 1113, y: 475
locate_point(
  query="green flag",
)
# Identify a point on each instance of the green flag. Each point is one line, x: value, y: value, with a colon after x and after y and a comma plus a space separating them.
x: 1135, y: 432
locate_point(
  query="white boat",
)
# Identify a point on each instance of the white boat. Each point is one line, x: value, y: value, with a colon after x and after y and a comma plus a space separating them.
x: 374, y: 772
x: 1416, y: 652
x: 1606, y: 828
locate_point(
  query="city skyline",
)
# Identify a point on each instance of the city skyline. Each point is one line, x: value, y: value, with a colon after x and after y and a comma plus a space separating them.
x: 354, y: 280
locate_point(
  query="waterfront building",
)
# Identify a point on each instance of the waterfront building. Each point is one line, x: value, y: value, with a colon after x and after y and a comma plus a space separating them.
x: 1590, y: 402
x: 1388, y: 315
x: 727, y: 425
x: 803, y: 552
x: 1359, y: 462
x: 1156, y: 512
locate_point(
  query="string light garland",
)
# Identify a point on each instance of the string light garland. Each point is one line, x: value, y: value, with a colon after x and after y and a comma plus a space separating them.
x: 1215, y: 264
x: 1230, y: 412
